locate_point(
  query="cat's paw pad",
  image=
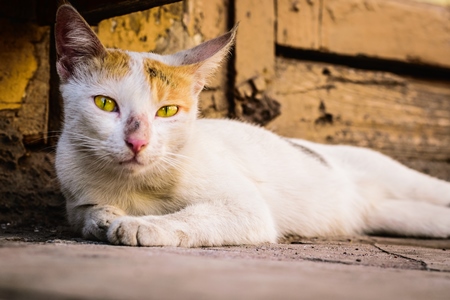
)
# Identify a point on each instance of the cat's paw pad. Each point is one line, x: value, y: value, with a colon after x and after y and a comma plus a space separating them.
x: 98, y: 221
x: 134, y: 231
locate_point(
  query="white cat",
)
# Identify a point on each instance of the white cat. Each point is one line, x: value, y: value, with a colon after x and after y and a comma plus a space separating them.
x: 138, y: 168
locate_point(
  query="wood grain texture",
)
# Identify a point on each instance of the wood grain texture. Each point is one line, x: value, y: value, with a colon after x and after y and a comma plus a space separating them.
x: 401, y: 117
x: 390, y: 29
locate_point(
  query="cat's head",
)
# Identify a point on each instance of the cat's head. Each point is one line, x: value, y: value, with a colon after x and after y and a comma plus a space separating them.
x: 129, y: 110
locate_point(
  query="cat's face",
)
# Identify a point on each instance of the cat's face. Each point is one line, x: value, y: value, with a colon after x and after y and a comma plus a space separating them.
x: 127, y: 111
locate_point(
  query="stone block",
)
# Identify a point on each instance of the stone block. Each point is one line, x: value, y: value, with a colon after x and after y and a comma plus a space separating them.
x: 17, y: 61
x: 24, y: 76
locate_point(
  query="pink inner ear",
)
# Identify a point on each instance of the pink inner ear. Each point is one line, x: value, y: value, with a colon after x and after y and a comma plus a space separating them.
x: 207, y: 49
x: 74, y: 40
x: 198, y: 86
x: 61, y: 68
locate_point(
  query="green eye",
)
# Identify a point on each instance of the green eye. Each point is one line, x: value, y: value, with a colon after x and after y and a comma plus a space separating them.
x: 105, y: 103
x: 167, y: 111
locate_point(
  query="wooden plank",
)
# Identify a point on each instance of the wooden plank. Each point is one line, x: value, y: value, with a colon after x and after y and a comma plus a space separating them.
x: 387, y: 29
x: 402, y: 117
x: 298, y: 24
x: 43, y: 11
x: 255, y: 42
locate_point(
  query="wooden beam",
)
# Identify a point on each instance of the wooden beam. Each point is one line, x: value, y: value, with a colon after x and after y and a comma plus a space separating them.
x: 43, y: 11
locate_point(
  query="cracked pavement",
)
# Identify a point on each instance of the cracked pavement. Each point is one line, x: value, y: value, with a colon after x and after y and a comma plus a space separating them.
x: 55, y: 265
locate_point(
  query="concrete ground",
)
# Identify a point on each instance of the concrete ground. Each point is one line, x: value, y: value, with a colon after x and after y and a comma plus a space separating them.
x: 55, y: 265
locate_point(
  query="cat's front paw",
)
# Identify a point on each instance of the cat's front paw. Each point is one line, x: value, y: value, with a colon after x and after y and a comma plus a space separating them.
x: 98, y: 220
x: 135, y: 231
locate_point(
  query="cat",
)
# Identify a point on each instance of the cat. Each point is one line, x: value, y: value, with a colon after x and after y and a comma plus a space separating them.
x: 138, y: 168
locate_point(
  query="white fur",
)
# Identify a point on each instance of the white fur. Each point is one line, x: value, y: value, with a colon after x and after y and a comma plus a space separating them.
x: 222, y: 182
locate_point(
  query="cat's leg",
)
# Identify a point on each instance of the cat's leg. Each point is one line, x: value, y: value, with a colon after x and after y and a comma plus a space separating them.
x: 406, y: 184
x: 409, y: 218
x: 93, y: 221
x: 204, y: 224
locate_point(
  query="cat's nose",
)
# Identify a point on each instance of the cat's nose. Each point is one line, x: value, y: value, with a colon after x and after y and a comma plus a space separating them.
x: 136, y: 145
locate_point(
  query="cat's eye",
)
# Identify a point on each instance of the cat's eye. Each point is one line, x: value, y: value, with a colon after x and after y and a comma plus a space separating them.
x: 167, y: 111
x: 105, y: 103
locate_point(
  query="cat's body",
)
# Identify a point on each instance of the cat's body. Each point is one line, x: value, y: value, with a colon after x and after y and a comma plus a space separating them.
x: 135, y: 174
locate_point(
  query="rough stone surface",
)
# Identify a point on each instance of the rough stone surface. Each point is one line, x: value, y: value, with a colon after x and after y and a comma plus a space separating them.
x: 24, y: 76
x: 404, y: 118
x: 18, y: 62
x: 29, y: 191
x: 31, y: 119
x: 57, y: 266
x: 389, y: 29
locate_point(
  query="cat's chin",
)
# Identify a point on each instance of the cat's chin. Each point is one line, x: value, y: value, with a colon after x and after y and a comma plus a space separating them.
x: 132, y: 166
x: 131, y: 162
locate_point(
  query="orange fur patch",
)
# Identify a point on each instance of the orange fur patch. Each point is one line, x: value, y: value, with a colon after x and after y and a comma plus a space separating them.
x: 170, y: 85
x: 114, y: 65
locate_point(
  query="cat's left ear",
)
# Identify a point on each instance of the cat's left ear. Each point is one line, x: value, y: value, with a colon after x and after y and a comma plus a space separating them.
x: 75, y: 41
x: 206, y: 57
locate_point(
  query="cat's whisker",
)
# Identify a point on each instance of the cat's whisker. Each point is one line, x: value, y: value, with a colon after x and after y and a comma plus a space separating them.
x: 177, y: 160
x: 177, y: 155
x: 170, y: 161
x: 169, y: 164
x: 95, y: 159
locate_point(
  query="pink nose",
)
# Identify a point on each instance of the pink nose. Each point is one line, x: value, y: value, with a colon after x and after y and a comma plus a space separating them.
x: 136, y: 144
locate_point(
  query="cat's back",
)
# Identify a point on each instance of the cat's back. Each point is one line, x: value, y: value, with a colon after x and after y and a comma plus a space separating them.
x: 224, y: 142
x: 244, y: 140
x: 234, y: 130
x: 253, y: 147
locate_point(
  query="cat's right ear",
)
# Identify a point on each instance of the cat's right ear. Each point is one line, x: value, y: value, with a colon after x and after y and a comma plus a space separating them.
x: 75, y: 41
x: 206, y: 57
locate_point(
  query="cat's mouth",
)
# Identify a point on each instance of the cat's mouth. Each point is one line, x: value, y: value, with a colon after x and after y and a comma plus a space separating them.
x: 131, y: 162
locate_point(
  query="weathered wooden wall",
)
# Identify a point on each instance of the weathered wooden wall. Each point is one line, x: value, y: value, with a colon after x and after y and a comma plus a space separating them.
x: 388, y: 29
x: 405, y: 115
x: 400, y: 116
